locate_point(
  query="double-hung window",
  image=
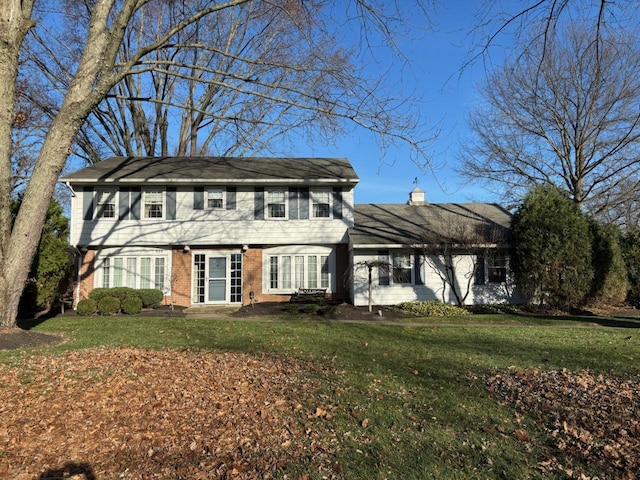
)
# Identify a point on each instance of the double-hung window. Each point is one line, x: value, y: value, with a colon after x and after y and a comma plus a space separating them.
x: 106, y: 203
x: 153, y: 203
x: 277, y: 203
x: 401, y: 268
x: 491, y: 268
x: 497, y: 268
x: 321, y: 203
x: 215, y: 198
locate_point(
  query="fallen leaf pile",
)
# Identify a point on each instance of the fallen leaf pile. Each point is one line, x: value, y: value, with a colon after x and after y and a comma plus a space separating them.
x: 129, y: 413
x: 591, y: 418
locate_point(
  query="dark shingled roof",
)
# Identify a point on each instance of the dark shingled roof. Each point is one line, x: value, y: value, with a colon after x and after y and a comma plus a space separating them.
x: 401, y: 224
x: 218, y: 169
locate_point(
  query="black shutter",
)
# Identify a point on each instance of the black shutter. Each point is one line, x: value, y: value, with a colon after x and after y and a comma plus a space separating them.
x: 123, y: 203
x: 87, y: 203
x: 171, y: 203
x: 303, y: 204
x: 480, y: 266
x: 417, y: 265
x: 293, y: 203
x: 337, y: 202
x: 231, y: 198
x: 136, y: 200
x: 259, y: 203
x: 383, y: 267
x: 198, y: 198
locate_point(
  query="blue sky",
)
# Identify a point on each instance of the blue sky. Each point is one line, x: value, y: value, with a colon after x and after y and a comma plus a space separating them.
x: 436, y: 56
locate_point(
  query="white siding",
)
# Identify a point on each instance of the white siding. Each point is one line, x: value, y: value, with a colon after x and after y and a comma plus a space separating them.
x: 209, y: 227
x: 434, y: 287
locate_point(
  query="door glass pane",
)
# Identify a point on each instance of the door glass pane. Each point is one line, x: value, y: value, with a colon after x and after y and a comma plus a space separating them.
x: 217, y: 279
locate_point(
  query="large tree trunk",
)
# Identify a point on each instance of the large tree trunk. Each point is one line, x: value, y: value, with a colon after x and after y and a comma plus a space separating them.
x: 19, y: 243
x: 15, y: 21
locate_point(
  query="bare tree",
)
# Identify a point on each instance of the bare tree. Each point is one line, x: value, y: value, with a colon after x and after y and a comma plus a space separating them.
x: 457, y: 251
x: 235, y: 83
x: 565, y: 112
x: 83, y: 50
x: 369, y: 266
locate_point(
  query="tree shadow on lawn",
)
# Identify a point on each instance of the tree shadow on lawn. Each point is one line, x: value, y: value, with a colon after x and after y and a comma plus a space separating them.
x: 613, y: 321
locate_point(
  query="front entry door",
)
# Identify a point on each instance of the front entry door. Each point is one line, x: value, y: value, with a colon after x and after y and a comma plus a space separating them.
x: 217, y: 280
x: 217, y: 277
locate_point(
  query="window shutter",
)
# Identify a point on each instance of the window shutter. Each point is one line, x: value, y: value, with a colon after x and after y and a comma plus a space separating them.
x: 293, y: 203
x: 303, y: 204
x: 480, y: 265
x: 87, y: 203
x: 198, y: 198
x: 171, y: 202
x: 123, y: 203
x: 259, y: 203
x: 231, y: 198
x: 417, y: 265
x: 337, y: 202
x: 136, y: 199
x: 383, y: 272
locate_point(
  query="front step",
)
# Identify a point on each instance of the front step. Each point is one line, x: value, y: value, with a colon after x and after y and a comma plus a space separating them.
x: 210, y: 310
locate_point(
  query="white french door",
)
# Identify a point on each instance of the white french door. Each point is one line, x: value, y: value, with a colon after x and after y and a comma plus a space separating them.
x: 217, y: 277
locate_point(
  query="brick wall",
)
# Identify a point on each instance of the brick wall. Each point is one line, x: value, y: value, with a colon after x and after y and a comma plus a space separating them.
x: 181, y: 278
x: 252, y: 279
x: 87, y: 269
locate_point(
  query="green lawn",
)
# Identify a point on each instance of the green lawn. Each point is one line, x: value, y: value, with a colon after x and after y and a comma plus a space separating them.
x: 407, y: 402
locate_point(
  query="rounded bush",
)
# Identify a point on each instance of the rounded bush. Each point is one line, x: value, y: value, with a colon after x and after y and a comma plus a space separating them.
x: 98, y: 294
x: 121, y: 293
x: 151, y: 297
x: 108, y: 306
x: 87, y: 306
x: 132, y: 305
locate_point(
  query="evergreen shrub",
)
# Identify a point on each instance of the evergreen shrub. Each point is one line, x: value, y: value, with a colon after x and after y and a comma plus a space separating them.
x: 88, y: 306
x: 132, y: 305
x: 108, y: 305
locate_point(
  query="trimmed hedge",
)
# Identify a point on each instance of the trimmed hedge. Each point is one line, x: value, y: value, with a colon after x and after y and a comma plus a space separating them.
x: 88, y: 306
x: 132, y: 305
x: 151, y: 297
x: 108, y: 305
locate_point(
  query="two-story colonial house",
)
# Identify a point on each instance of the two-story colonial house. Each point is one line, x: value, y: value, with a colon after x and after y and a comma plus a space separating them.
x: 219, y: 230
x: 213, y: 230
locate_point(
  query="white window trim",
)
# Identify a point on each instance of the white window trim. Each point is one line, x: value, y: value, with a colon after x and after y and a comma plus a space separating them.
x: 145, y: 191
x: 312, y: 195
x: 138, y: 254
x: 392, y: 256
x: 489, y: 262
x: 298, y: 251
x: 267, y: 213
x: 97, y: 209
x: 206, y: 198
